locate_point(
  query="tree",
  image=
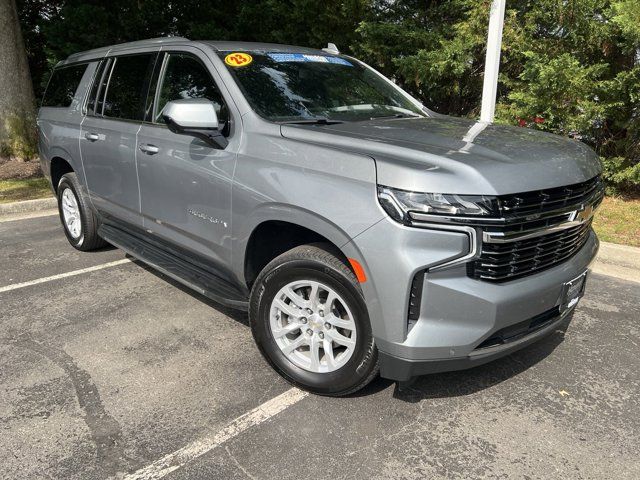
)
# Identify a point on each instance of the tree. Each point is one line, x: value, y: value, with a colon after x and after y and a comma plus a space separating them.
x: 570, y: 67
x: 16, y: 92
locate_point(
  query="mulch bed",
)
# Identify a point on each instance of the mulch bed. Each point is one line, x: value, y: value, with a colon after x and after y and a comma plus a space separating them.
x: 13, y: 168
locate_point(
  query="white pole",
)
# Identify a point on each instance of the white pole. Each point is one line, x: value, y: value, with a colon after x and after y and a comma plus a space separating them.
x: 492, y: 63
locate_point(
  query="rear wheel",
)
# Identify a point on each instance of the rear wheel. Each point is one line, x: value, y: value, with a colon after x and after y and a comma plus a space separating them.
x: 310, y: 322
x: 78, y: 218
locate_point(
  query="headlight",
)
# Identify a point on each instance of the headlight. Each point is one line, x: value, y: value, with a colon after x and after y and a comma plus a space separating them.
x: 399, y: 203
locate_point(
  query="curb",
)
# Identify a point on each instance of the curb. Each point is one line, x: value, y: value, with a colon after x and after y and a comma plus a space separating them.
x: 619, y: 261
x: 28, y: 206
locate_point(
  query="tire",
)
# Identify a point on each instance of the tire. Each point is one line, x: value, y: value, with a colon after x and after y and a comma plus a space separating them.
x: 338, y: 370
x: 83, y: 233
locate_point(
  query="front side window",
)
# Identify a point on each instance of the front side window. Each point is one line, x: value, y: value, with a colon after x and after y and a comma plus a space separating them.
x: 297, y: 86
x: 186, y: 77
x: 63, y: 86
x: 127, y: 87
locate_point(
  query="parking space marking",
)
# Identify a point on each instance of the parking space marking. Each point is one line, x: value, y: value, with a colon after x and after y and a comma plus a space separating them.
x: 16, y: 286
x: 252, y: 418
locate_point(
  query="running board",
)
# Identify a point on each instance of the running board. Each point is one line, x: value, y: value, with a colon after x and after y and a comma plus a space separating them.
x: 190, y: 275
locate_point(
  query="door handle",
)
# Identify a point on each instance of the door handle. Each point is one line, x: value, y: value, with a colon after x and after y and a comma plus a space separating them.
x: 92, y: 137
x: 148, y: 148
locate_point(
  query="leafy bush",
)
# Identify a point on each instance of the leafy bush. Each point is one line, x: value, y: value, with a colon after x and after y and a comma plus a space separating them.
x: 571, y: 68
x: 621, y: 174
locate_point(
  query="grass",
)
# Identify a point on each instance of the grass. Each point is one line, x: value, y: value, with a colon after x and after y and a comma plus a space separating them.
x: 618, y: 221
x: 24, y: 189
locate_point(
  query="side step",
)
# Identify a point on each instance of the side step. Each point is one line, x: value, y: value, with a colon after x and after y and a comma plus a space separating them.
x: 194, y: 277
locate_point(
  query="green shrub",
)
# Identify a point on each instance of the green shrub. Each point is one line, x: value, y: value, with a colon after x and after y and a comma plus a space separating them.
x: 570, y: 68
x: 621, y: 174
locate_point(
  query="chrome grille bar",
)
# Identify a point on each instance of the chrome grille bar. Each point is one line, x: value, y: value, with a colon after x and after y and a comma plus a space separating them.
x: 537, y: 230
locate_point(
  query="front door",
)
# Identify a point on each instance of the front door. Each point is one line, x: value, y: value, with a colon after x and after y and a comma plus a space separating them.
x: 108, y: 135
x: 185, y: 183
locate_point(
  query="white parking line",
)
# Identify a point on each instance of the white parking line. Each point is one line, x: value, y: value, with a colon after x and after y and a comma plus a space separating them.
x: 16, y: 286
x: 180, y: 458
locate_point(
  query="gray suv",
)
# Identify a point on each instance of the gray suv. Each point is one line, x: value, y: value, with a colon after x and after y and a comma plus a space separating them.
x: 363, y: 232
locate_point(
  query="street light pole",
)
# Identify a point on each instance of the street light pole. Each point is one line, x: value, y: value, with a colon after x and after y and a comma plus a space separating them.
x: 492, y: 63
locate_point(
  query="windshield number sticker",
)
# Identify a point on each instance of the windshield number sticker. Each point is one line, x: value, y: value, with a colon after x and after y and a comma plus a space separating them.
x: 238, y: 59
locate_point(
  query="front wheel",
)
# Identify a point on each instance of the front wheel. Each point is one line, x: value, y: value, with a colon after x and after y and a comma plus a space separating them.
x: 310, y: 321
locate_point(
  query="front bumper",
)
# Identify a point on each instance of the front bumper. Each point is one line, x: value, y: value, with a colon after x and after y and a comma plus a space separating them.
x: 403, y: 369
x: 458, y: 314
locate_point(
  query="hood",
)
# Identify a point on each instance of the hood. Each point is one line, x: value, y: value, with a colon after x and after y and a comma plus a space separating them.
x: 455, y: 155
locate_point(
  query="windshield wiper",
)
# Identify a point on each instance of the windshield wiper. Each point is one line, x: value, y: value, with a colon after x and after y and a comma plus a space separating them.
x: 311, y: 121
x: 396, y: 115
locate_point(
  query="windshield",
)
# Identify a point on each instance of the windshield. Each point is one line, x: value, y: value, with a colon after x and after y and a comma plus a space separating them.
x: 294, y: 87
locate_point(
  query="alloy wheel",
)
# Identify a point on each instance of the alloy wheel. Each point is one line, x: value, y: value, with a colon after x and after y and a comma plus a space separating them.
x: 313, y: 326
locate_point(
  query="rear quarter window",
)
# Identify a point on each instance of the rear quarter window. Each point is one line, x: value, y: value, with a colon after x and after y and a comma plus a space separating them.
x: 63, y: 85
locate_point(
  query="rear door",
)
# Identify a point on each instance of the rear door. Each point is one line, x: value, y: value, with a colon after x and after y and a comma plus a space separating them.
x: 185, y: 183
x: 60, y: 115
x: 108, y: 137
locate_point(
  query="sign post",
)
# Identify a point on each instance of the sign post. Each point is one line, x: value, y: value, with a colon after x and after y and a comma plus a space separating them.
x: 492, y: 63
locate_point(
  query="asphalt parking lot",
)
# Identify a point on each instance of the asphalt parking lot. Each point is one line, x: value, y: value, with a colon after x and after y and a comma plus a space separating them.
x: 120, y: 372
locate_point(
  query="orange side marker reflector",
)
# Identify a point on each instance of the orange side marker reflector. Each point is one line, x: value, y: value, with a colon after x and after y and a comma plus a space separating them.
x: 358, y: 270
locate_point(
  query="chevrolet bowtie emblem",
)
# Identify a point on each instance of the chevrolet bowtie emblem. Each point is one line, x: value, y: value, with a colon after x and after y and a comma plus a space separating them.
x: 585, y: 214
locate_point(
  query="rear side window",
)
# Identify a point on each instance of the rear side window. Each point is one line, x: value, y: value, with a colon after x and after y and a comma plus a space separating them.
x: 63, y: 85
x: 102, y: 86
x: 101, y: 71
x: 127, y: 88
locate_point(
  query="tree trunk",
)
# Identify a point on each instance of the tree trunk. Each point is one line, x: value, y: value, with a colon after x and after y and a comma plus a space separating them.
x: 16, y: 89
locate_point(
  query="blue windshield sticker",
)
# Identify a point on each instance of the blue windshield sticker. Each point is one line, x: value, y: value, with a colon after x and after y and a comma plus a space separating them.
x: 303, y: 57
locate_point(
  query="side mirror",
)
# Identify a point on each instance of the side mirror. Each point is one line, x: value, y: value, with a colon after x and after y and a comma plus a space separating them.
x: 196, y: 117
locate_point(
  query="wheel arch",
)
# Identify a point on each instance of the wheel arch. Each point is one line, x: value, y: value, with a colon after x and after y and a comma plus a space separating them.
x: 281, y: 230
x: 61, y: 162
x: 58, y: 167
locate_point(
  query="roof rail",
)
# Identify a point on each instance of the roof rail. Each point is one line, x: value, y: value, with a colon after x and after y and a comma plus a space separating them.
x: 156, y: 40
x: 148, y: 41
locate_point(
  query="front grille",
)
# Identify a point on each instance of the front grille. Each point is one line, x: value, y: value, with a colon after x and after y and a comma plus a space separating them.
x: 550, y: 199
x: 535, y: 236
x: 507, y: 261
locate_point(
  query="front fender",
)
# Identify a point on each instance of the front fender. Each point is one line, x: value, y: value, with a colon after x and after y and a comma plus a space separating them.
x: 283, y: 213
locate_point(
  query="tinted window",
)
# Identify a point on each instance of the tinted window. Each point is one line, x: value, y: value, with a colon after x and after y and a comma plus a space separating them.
x: 186, y: 77
x: 127, y: 86
x: 153, y: 86
x: 63, y: 85
x: 102, y: 86
x: 294, y: 86
x: 97, y: 81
